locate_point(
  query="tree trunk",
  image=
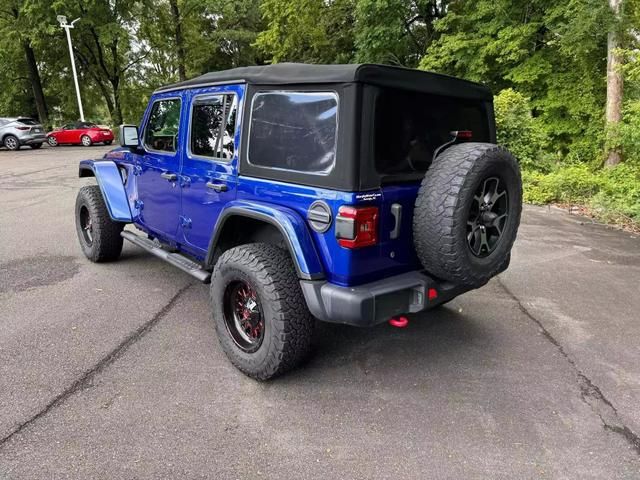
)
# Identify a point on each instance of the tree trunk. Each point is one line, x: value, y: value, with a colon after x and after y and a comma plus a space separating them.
x: 614, y: 85
x: 36, y: 83
x: 117, y: 107
x: 177, y: 21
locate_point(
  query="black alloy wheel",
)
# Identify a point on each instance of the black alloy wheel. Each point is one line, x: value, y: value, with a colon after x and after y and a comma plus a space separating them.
x: 86, y: 225
x: 488, y: 216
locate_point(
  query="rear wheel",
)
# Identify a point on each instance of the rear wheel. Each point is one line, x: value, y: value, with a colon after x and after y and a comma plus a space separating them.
x: 259, y: 311
x: 467, y: 213
x: 99, y: 236
x: 11, y: 142
x: 86, y: 140
x: 35, y: 146
x: 52, y: 141
x: 108, y: 142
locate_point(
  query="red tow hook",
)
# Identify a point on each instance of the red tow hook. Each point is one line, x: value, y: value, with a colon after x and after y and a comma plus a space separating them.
x: 399, y: 322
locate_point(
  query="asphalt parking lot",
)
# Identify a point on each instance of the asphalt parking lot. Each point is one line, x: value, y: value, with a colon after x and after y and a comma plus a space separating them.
x: 114, y: 371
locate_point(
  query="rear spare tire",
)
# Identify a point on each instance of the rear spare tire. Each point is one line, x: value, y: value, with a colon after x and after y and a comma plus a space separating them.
x: 467, y: 213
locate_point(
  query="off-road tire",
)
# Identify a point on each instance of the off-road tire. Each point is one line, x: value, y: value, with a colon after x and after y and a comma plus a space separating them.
x: 35, y: 146
x: 288, y: 325
x: 11, y: 142
x: 442, y: 210
x: 106, y: 244
x: 86, y: 141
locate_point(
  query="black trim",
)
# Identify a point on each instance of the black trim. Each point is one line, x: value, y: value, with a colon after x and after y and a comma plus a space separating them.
x: 240, y: 212
x: 376, y: 302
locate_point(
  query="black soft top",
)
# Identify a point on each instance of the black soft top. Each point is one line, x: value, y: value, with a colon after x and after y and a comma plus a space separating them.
x: 380, y: 75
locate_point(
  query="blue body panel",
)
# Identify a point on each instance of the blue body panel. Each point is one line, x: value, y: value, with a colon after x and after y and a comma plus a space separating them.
x: 292, y: 226
x: 343, y: 266
x: 188, y: 214
x: 110, y: 182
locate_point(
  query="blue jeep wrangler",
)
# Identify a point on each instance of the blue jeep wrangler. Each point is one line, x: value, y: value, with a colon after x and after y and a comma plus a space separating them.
x: 351, y: 194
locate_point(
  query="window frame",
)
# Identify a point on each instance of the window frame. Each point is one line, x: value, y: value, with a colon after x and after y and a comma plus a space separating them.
x: 192, y: 102
x: 334, y: 93
x: 148, y: 120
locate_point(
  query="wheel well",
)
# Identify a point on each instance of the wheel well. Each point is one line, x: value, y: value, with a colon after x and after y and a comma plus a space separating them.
x: 238, y: 230
x: 85, y: 172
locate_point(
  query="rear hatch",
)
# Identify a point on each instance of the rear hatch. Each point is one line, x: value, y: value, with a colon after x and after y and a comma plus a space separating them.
x: 30, y: 125
x: 407, y: 128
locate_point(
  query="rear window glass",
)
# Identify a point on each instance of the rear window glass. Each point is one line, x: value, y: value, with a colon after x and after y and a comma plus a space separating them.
x: 27, y: 121
x: 294, y: 131
x: 409, y: 126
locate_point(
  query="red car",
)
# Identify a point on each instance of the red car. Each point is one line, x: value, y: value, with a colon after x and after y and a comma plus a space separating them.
x: 80, y: 133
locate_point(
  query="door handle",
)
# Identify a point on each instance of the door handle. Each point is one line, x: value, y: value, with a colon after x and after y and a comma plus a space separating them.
x: 171, y: 177
x: 396, y: 211
x: 218, y: 187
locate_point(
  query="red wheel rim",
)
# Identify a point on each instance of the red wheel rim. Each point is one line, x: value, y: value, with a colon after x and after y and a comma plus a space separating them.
x: 243, y: 316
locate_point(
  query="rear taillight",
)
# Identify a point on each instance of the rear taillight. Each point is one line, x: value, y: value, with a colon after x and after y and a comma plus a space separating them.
x: 23, y: 128
x: 357, y: 226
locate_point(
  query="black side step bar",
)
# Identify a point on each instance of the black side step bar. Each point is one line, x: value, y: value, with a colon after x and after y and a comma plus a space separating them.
x: 183, y: 263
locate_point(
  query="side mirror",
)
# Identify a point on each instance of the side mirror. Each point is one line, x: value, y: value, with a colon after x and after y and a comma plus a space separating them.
x: 128, y: 136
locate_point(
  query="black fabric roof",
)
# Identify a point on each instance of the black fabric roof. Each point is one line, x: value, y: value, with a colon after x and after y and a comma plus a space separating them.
x: 381, y: 75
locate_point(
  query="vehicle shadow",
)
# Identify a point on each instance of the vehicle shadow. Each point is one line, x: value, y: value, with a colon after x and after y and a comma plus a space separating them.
x: 440, y: 337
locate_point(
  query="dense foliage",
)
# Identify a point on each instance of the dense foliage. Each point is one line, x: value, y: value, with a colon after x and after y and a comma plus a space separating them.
x: 545, y: 60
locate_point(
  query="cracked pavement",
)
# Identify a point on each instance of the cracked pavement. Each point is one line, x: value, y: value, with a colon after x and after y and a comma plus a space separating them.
x: 114, y: 371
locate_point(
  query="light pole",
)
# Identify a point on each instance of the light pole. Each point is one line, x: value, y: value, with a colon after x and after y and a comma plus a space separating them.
x: 67, y: 26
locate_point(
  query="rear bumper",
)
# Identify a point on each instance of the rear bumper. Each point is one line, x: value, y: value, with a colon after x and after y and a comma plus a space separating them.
x: 376, y: 302
x: 100, y: 137
x: 33, y: 138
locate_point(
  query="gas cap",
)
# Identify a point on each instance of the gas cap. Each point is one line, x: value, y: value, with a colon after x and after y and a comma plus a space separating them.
x: 319, y: 216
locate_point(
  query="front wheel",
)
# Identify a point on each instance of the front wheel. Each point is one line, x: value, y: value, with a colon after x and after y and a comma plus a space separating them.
x: 99, y: 236
x: 52, y: 141
x: 86, y: 141
x: 259, y: 311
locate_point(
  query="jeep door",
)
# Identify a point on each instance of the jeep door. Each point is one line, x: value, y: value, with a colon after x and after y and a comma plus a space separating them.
x: 158, y: 167
x: 209, y: 167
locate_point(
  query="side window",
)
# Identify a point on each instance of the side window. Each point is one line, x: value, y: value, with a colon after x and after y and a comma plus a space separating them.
x: 162, y: 128
x: 294, y: 131
x: 213, y: 124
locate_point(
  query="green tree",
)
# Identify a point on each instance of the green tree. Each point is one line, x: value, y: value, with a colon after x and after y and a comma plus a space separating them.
x: 16, y: 28
x: 554, y: 53
x: 310, y: 31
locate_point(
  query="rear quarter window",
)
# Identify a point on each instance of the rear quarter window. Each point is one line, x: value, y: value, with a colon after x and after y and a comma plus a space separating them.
x: 294, y: 131
x: 27, y: 121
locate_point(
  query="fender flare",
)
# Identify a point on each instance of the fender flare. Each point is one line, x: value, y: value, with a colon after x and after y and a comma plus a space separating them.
x: 291, y: 225
x: 110, y: 183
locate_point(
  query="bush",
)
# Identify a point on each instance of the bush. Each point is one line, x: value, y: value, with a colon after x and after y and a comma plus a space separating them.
x: 519, y: 131
x: 613, y: 194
